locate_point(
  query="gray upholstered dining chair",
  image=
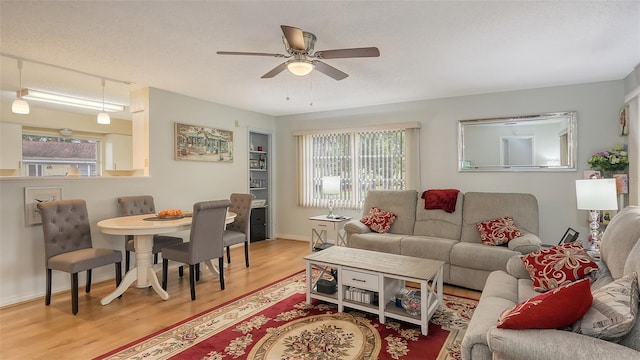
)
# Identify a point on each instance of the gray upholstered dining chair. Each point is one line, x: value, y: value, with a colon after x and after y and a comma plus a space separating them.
x: 68, y: 246
x: 139, y: 205
x: 205, y: 242
x: 238, y: 231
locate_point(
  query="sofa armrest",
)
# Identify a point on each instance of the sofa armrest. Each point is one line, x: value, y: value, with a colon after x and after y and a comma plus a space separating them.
x: 516, y: 268
x: 525, y: 244
x: 553, y: 344
x: 356, y: 227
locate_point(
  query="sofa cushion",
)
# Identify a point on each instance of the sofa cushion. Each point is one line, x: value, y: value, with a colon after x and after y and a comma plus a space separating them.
x: 443, y: 199
x: 613, y: 312
x: 554, y: 309
x: 480, y: 257
x: 438, y: 223
x: 498, y: 231
x: 379, y: 220
x: 400, y: 202
x: 388, y: 243
x: 480, y: 206
x: 558, y: 265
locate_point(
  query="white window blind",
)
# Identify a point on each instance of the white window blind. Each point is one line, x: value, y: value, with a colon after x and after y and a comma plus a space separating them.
x: 365, y: 159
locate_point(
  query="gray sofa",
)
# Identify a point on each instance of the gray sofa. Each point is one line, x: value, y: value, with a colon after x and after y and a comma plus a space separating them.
x: 450, y: 237
x: 620, y: 255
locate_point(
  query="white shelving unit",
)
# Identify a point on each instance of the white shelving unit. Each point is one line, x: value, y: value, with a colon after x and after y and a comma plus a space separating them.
x: 260, y: 182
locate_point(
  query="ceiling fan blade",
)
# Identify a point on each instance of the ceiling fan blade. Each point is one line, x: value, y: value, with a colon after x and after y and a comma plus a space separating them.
x: 294, y: 36
x: 329, y: 70
x: 347, y: 53
x: 248, y: 53
x: 275, y: 71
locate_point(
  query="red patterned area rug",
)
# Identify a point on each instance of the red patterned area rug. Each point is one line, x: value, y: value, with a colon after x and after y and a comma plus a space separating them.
x: 276, y: 323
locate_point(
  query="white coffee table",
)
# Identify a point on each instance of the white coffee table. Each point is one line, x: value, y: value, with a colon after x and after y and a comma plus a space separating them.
x: 382, y: 273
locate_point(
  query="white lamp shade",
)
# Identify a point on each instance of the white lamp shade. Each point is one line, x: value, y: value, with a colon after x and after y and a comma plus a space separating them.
x: 104, y: 119
x: 331, y: 185
x: 300, y: 68
x: 20, y: 106
x: 596, y: 194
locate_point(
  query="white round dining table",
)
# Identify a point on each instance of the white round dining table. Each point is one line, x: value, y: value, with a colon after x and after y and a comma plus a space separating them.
x: 143, y: 227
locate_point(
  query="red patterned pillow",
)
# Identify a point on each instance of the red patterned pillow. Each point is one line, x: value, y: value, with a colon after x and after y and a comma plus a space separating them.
x: 554, y: 309
x: 498, y: 231
x: 379, y: 220
x: 558, y: 265
x: 444, y: 199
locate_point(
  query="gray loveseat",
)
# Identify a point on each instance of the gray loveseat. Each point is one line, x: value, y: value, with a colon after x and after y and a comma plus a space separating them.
x: 450, y: 237
x: 620, y: 251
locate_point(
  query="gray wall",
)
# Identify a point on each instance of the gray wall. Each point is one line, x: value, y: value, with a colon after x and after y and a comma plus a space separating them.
x: 173, y: 184
x: 597, y: 106
x: 180, y: 184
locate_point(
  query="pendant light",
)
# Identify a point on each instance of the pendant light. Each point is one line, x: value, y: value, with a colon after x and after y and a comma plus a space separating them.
x: 103, y: 117
x: 20, y: 106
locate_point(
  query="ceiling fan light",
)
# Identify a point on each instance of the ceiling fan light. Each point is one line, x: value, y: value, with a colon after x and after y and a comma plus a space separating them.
x: 20, y: 106
x: 300, y: 68
x: 104, y: 119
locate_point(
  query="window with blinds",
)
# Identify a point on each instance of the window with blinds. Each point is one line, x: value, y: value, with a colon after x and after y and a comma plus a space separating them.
x: 363, y: 159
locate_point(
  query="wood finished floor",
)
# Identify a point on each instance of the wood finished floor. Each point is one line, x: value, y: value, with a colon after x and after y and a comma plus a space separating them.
x: 32, y: 330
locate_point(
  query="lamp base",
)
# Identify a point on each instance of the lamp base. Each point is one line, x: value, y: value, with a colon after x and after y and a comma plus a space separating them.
x: 594, y: 234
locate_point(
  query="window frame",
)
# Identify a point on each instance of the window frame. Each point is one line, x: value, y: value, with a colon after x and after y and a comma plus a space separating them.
x: 309, y: 188
x: 41, y: 132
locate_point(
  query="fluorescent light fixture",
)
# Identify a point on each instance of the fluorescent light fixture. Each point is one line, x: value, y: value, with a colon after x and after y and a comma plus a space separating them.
x: 300, y: 67
x: 59, y: 99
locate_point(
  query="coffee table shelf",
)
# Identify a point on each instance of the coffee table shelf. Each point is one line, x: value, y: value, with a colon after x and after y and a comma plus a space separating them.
x: 378, y: 272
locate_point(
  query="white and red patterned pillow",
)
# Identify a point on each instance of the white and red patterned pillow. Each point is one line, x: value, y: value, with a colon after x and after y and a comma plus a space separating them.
x: 558, y: 265
x: 554, y: 309
x: 379, y: 220
x: 498, y: 231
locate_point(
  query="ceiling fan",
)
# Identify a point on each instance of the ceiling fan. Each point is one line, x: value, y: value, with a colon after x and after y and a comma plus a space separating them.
x: 301, y: 57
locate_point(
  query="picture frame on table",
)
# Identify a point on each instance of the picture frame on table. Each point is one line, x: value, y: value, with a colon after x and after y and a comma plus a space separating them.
x: 35, y: 195
x: 569, y: 236
x: 591, y: 174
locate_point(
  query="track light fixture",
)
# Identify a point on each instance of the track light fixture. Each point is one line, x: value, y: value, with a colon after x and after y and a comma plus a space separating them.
x: 103, y: 117
x: 19, y: 105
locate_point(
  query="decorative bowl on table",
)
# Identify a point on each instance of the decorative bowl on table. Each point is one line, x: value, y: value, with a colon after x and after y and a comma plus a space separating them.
x: 411, y: 303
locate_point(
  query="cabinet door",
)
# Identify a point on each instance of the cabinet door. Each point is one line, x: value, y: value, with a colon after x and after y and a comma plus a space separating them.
x: 118, y: 152
x: 10, y: 146
x: 258, y: 226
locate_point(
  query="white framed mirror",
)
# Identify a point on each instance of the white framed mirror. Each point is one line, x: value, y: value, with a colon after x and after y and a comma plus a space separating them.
x: 539, y: 142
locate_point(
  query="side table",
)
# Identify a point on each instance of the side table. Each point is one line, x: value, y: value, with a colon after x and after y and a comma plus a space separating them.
x: 326, y: 230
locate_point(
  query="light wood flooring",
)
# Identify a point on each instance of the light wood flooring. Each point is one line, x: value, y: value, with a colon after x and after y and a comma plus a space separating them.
x: 32, y: 330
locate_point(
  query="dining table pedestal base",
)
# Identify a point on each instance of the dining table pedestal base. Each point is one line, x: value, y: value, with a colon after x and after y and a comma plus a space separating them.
x: 143, y: 274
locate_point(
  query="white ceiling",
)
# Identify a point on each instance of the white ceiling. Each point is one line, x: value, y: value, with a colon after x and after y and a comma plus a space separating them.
x: 429, y: 49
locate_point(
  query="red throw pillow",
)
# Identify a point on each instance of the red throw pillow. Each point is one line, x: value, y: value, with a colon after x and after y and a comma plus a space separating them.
x: 379, y: 220
x: 498, y: 231
x: 558, y: 265
x: 554, y: 309
x: 444, y: 199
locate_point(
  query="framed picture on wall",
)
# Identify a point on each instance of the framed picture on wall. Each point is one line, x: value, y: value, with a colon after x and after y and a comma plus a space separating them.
x: 201, y: 143
x: 35, y: 195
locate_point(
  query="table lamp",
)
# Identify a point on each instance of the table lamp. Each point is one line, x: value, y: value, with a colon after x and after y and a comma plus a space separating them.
x: 331, y: 187
x: 595, y: 195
